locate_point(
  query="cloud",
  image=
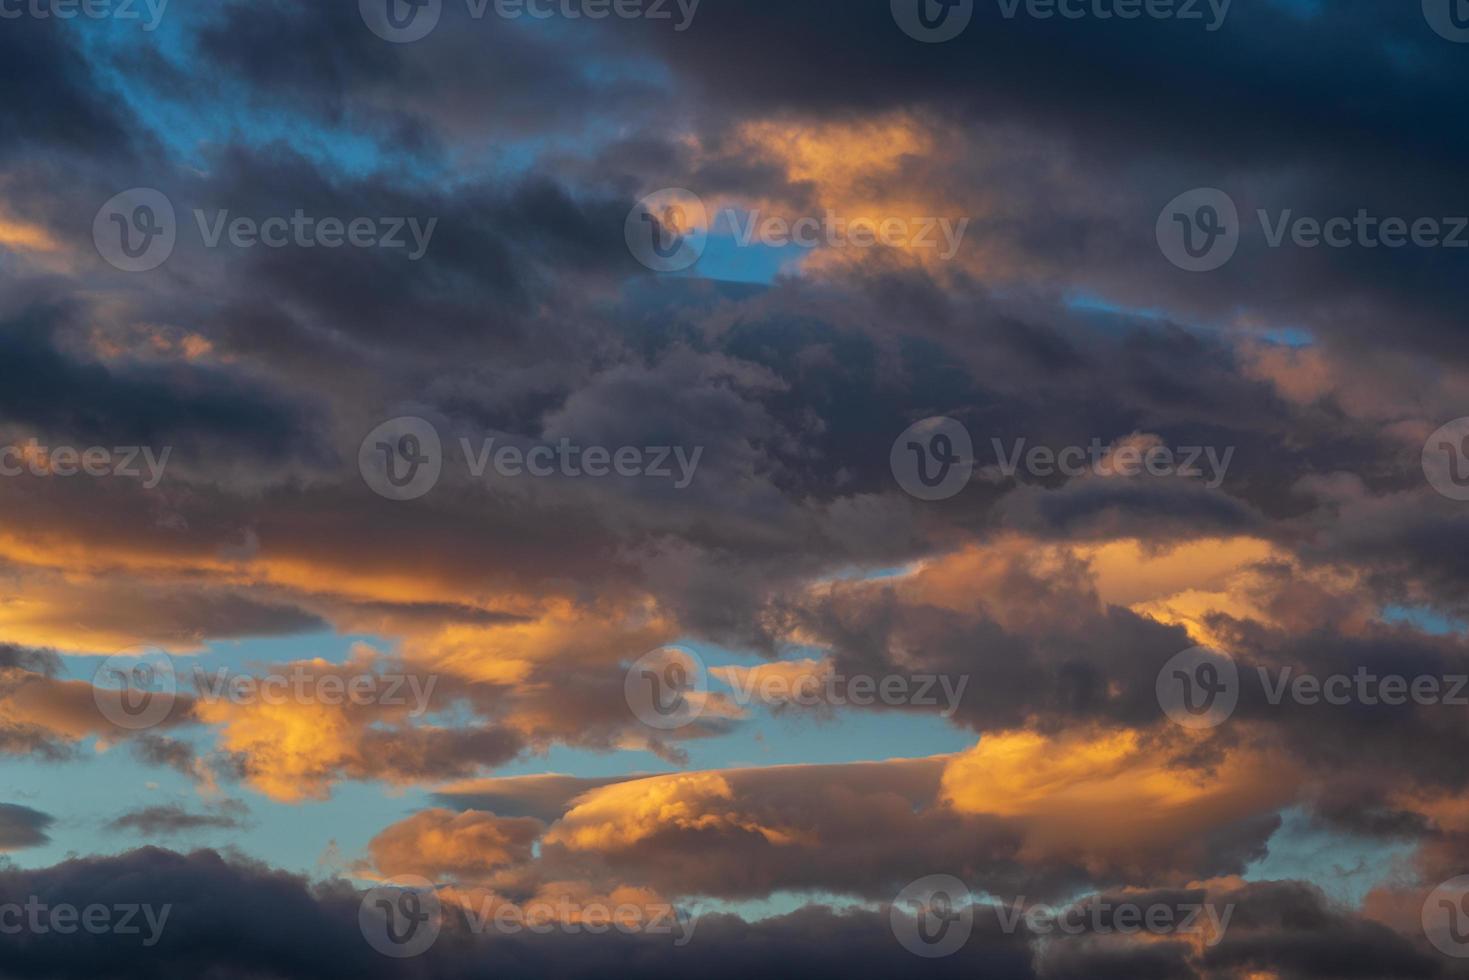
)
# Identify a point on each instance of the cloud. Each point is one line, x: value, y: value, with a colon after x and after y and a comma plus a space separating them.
x: 22, y: 827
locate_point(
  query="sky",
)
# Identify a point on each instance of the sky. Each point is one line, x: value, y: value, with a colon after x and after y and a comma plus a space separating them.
x: 835, y: 488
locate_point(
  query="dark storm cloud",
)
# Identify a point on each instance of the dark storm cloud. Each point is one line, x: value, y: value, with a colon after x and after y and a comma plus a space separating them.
x: 58, y: 102
x: 236, y: 919
x: 59, y: 395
